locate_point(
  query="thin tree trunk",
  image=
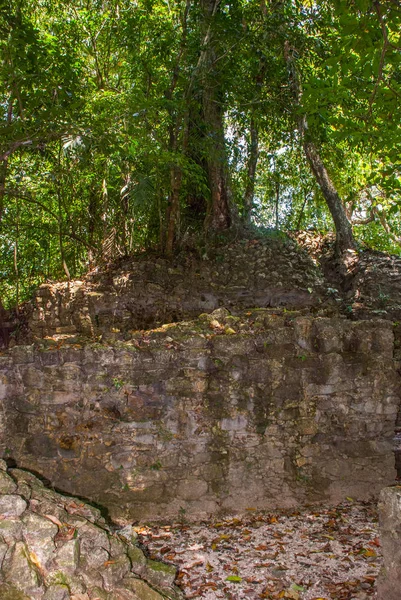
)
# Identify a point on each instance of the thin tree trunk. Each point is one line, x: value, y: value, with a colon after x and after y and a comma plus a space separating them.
x: 16, y: 277
x: 301, y: 214
x: 17, y: 281
x: 218, y: 215
x: 251, y: 171
x: 344, y: 236
x: 173, y: 218
x: 60, y: 220
x: 4, y: 162
x: 178, y: 124
x: 3, y: 178
x: 4, y: 333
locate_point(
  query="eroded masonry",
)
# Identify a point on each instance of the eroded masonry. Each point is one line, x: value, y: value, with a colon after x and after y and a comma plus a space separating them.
x: 239, y: 407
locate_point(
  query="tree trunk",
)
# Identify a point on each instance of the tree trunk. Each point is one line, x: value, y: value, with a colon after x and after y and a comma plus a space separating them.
x: 277, y: 203
x: 4, y: 162
x: 4, y: 333
x: 174, y: 212
x: 3, y: 178
x: 218, y: 215
x: 344, y: 236
x: 251, y: 172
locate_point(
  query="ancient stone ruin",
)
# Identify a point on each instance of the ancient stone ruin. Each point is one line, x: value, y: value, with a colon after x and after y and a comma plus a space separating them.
x: 268, y: 409
x: 205, y: 386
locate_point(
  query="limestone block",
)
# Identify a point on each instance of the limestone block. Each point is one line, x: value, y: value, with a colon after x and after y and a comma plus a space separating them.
x: 67, y: 557
x: 114, y: 570
x: 237, y: 423
x: 59, y: 397
x: 138, y: 560
x: 3, y: 552
x: 33, y: 377
x: 7, y: 485
x: 389, y: 581
x: 20, y: 570
x: 10, y: 530
x: 141, y: 589
x: 159, y: 574
x: 3, y: 387
x: 302, y: 331
x: 12, y: 505
x: 10, y: 592
x: 94, y: 545
x: 328, y: 337
x: 22, y: 354
x: 38, y: 533
x: 191, y: 489
x: 57, y: 592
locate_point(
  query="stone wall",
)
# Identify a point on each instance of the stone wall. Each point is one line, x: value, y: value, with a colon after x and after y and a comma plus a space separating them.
x: 389, y: 582
x: 267, y: 409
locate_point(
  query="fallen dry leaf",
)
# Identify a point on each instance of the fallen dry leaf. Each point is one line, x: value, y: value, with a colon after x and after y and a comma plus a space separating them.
x: 331, y: 553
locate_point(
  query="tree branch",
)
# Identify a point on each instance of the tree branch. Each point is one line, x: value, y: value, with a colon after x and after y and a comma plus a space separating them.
x: 386, y: 44
x: 14, y: 146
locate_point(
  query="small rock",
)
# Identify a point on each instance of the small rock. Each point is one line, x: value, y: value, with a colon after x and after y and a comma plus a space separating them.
x: 57, y: 592
x: 20, y: 571
x: 12, y: 505
x: 160, y: 574
x: 141, y: 589
x: 38, y: 533
x: 128, y: 533
x: 67, y: 557
x: 7, y: 485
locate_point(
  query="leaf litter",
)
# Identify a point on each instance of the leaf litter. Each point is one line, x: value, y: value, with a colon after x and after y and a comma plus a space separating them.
x: 317, y: 554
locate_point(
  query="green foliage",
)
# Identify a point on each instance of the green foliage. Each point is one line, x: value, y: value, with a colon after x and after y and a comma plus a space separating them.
x: 103, y: 100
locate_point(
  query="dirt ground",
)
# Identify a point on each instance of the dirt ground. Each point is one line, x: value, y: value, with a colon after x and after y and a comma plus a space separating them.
x: 316, y: 554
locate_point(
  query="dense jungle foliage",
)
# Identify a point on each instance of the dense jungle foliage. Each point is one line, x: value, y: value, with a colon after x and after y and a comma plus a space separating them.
x: 136, y: 124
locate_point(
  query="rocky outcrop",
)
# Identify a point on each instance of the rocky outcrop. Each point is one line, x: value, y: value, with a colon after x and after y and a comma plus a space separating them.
x: 269, y: 408
x: 55, y: 547
x: 389, y: 582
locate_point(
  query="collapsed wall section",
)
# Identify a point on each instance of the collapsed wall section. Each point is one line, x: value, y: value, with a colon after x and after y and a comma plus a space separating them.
x: 144, y: 291
x: 221, y: 414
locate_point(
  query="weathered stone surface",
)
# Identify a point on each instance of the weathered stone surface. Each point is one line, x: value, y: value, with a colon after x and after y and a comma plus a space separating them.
x: 145, y: 292
x: 56, y: 555
x: 7, y: 485
x: 20, y: 570
x: 141, y: 589
x: 37, y: 531
x: 11, y: 505
x: 389, y: 582
x: 160, y: 574
x: 290, y: 409
x: 67, y: 556
x: 10, y: 592
x: 57, y: 592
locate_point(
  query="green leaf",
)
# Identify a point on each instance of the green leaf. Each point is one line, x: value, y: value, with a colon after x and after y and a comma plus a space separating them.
x: 234, y: 579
